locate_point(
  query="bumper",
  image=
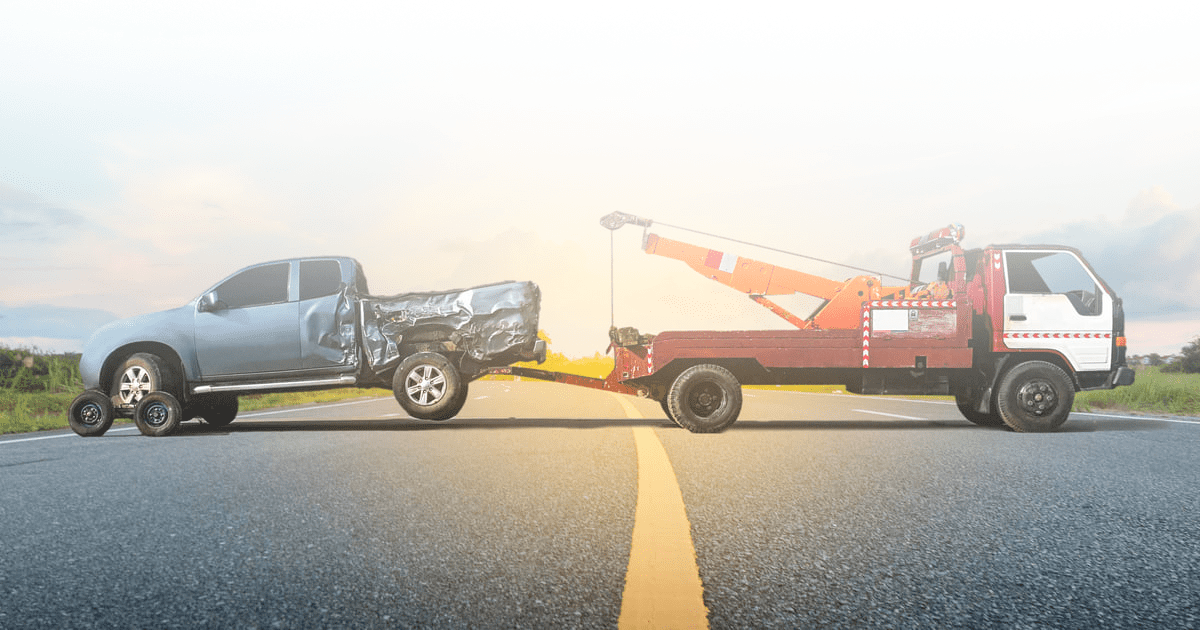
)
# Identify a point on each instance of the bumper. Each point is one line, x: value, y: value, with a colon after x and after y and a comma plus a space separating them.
x: 1120, y: 377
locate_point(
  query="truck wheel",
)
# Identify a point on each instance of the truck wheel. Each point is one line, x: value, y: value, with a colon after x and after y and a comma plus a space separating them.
x: 90, y: 414
x: 139, y: 375
x: 968, y: 406
x: 157, y: 414
x: 1035, y: 397
x: 705, y: 399
x: 429, y: 387
x: 217, y: 410
x: 667, y: 410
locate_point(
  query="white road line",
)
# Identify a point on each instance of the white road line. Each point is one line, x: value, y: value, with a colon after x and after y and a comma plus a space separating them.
x: 253, y: 414
x: 60, y: 435
x: 890, y: 415
x: 1155, y: 418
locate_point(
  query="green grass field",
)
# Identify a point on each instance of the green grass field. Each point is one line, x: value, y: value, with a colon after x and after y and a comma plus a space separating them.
x: 36, y: 389
x: 1154, y: 391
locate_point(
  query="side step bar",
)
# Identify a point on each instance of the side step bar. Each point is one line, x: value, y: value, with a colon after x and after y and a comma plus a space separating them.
x: 248, y: 387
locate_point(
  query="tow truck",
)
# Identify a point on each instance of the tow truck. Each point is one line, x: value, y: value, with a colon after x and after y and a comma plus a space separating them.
x: 1010, y: 331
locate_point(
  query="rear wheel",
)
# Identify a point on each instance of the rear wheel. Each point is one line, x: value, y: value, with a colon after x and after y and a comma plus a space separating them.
x: 429, y: 387
x: 705, y: 399
x: 968, y: 406
x: 667, y: 410
x: 158, y: 414
x: 90, y: 414
x: 1035, y: 397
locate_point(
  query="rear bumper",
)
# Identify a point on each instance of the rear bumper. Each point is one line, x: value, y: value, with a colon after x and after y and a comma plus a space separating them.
x: 1120, y: 377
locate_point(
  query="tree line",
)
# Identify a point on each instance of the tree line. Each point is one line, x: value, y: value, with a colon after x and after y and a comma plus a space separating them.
x: 1187, y: 361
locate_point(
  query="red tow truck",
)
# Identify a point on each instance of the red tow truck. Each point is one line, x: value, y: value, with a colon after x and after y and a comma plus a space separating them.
x: 1011, y: 331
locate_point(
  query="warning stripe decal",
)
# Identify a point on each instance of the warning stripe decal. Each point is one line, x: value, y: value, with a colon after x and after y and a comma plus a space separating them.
x: 914, y: 304
x: 1012, y: 335
x: 866, y: 336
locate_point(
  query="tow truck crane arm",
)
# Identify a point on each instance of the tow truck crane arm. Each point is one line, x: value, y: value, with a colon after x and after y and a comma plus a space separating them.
x: 842, y: 308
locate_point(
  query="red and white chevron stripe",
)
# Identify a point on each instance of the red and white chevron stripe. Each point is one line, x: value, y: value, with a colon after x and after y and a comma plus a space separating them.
x: 1017, y: 335
x: 866, y: 336
x: 914, y: 304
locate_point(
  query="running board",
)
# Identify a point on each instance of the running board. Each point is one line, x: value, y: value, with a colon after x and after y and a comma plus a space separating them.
x: 247, y: 387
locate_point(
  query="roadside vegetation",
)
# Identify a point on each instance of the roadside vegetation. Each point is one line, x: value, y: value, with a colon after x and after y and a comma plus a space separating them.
x: 36, y: 388
x: 1154, y: 391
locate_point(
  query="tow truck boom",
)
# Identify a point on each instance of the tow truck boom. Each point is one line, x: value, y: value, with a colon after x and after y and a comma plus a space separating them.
x: 842, y: 299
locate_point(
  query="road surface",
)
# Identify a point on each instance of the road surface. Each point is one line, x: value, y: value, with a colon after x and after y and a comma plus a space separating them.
x: 811, y: 511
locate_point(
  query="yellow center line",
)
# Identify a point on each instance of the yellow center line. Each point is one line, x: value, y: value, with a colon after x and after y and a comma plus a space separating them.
x: 662, y: 583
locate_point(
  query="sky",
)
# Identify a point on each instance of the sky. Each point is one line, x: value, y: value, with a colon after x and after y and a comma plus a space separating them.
x: 150, y: 149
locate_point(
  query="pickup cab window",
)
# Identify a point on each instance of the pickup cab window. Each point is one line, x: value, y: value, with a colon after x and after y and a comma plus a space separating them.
x: 257, y: 286
x: 319, y: 278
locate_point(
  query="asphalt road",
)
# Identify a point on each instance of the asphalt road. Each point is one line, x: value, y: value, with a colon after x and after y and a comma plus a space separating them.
x: 811, y: 511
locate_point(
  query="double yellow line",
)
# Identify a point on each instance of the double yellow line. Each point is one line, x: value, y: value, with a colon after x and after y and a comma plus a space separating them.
x: 662, y: 583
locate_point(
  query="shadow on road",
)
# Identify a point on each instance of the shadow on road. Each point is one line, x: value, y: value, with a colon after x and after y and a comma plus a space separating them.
x: 464, y: 424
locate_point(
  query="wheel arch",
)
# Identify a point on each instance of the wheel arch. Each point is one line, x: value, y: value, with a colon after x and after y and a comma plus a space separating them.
x: 159, y: 349
x: 1017, y: 358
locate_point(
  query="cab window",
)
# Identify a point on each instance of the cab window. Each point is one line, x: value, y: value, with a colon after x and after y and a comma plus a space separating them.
x: 319, y: 278
x: 267, y: 284
x: 1054, y: 273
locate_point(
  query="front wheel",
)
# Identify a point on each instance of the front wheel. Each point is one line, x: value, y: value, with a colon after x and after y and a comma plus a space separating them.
x: 91, y: 414
x: 429, y: 387
x: 1035, y: 397
x: 705, y: 399
x: 157, y: 414
x: 139, y: 375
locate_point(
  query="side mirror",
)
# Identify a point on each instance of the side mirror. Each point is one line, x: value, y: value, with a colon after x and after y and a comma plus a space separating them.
x: 207, y: 303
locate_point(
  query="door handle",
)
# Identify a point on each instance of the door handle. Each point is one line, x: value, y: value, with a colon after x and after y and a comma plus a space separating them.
x: 1016, y: 318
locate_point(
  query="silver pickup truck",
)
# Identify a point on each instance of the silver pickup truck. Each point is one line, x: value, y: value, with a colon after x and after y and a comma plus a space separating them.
x: 301, y: 324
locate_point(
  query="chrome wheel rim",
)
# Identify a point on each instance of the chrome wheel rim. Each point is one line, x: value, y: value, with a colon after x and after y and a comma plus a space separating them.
x: 425, y: 385
x: 135, y: 384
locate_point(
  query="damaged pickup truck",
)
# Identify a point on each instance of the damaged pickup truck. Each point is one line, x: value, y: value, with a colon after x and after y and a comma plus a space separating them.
x: 301, y: 324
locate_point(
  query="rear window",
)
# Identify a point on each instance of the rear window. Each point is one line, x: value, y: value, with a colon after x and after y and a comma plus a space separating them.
x: 319, y: 278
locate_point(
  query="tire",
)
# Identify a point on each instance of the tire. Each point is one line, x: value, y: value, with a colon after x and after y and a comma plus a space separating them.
x: 1035, y: 397
x: 216, y: 410
x: 158, y: 414
x: 968, y: 406
x: 705, y: 399
x: 429, y: 387
x: 90, y: 414
x: 667, y: 410
x: 139, y: 375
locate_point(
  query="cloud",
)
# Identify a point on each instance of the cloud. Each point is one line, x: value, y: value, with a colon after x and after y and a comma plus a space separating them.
x: 1148, y: 256
x: 51, y: 322
x: 25, y: 218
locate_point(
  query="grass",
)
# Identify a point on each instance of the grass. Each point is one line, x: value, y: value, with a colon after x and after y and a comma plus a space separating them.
x: 254, y: 402
x: 1153, y: 391
x: 36, y: 389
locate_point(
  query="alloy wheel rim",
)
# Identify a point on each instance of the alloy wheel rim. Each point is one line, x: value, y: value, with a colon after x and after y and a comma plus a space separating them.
x: 135, y: 384
x: 425, y: 385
